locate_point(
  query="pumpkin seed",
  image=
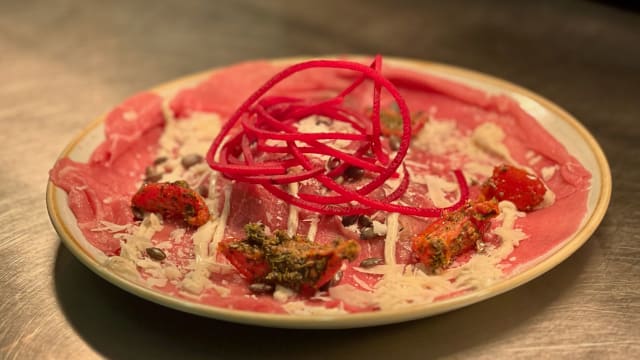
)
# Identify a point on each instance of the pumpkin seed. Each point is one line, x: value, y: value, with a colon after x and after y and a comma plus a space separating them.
x: 261, y: 288
x: 365, y: 221
x: 371, y: 262
x: 353, y: 173
x: 349, y: 220
x: 333, y: 163
x: 160, y: 160
x: 394, y: 142
x: 151, y: 175
x: 323, y: 121
x: 335, y: 280
x: 203, y: 190
x: 188, y: 161
x: 138, y: 214
x: 367, y: 233
x: 156, y: 253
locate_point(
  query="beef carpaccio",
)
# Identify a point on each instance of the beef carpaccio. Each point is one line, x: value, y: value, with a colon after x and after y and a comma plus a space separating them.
x: 161, y: 139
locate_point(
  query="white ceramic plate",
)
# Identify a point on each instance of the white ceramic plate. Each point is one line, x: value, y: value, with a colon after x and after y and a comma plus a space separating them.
x: 558, y: 122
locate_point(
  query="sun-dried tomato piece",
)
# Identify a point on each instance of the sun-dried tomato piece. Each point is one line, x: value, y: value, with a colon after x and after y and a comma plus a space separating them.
x: 290, y: 261
x: 453, y: 234
x: 523, y: 189
x: 173, y: 200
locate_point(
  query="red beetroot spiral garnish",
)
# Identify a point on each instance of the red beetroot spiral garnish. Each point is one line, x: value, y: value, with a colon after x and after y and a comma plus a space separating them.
x: 271, y: 151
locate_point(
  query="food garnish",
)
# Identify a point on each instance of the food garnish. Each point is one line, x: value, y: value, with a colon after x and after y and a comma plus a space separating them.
x: 156, y: 253
x: 453, y: 234
x: 523, y: 189
x: 174, y: 200
x: 290, y: 261
x: 271, y: 150
x: 371, y: 262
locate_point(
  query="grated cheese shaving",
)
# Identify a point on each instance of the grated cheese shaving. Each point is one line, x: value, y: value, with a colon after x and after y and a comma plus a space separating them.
x: 393, y: 228
x: 222, y: 221
x: 292, y: 221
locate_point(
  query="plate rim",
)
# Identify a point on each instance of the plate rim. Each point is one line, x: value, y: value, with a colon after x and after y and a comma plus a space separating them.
x: 558, y: 255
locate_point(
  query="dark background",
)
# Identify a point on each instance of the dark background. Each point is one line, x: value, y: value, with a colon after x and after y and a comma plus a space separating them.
x: 63, y: 63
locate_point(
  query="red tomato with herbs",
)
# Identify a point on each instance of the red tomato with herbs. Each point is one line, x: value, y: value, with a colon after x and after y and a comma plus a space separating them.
x: 453, y: 234
x: 173, y: 200
x: 290, y: 261
x: 523, y: 189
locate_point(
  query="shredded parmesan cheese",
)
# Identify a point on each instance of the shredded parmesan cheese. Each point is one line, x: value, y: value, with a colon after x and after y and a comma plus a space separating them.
x: 489, y: 137
x: 313, y: 227
x: 292, y: 222
x: 393, y: 227
x: 222, y: 221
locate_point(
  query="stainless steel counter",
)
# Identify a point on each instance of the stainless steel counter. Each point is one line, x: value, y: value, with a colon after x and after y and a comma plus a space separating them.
x: 63, y: 63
